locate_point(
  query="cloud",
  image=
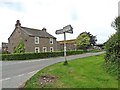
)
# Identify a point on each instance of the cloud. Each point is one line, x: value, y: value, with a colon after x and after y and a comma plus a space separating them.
x: 92, y: 16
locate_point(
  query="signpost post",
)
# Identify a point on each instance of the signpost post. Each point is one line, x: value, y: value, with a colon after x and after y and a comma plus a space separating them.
x: 66, y: 29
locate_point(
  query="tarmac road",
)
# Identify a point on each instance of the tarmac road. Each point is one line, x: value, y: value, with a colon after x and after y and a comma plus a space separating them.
x: 15, y: 73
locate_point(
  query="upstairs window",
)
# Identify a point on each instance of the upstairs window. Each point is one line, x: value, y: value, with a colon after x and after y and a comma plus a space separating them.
x: 37, y: 49
x: 36, y: 40
x: 51, y: 40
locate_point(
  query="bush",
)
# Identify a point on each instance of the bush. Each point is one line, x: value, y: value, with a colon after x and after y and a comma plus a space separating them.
x: 26, y: 56
x: 75, y: 52
x: 112, y: 57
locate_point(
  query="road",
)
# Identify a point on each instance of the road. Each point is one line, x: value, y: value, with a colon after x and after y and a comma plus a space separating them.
x: 15, y: 73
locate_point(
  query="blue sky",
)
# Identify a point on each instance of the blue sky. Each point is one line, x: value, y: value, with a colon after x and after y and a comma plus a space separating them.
x: 12, y: 5
x: 94, y: 16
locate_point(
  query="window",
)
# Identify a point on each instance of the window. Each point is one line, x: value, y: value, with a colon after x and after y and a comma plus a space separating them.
x: 51, y: 49
x: 51, y: 40
x: 44, y: 49
x: 36, y: 40
x: 37, y: 49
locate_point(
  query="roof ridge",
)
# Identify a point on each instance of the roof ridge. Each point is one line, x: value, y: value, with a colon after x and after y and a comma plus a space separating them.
x: 35, y: 32
x: 31, y: 28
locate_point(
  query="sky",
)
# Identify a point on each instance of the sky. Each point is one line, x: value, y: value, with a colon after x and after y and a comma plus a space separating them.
x: 94, y: 16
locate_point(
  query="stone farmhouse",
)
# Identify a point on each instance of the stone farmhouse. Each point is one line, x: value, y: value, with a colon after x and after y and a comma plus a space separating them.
x: 34, y: 40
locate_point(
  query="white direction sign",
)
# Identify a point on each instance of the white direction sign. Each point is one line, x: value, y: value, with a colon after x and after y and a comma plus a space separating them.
x: 59, y: 31
x: 66, y: 29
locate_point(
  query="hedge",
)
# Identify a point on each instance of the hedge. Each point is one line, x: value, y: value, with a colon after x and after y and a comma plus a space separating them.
x: 27, y: 56
x: 112, y: 57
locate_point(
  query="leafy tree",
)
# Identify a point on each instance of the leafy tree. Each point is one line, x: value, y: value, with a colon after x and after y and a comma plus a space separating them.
x: 92, y: 39
x: 116, y: 24
x: 20, y: 48
x: 83, y: 41
x: 112, y: 47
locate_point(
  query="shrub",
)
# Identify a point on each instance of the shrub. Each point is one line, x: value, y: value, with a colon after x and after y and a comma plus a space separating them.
x: 112, y: 57
x: 27, y: 56
x: 75, y: 52
x: 112, y: 48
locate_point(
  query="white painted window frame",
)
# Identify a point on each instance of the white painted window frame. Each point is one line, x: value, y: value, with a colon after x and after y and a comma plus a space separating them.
x: 38, y: 49
x: 45, y: 49
x: 36, y: 39
x: 52, y: 49
x: 51, y: 40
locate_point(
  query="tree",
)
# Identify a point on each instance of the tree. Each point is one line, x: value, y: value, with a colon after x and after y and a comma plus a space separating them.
x: 112, y: 47
x: 93, y: 39
x: 116, y: 24
x: 20, y: 48
x: 83, y: 41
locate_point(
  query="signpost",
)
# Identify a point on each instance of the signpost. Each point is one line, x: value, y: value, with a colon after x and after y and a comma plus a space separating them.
x: 66, y: 29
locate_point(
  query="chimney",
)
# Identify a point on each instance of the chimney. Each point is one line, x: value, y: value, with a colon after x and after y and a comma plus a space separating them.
x: 18, y: 24
x: 44, y: 29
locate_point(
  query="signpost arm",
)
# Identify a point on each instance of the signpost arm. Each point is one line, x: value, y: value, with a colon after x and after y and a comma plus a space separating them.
x: 65, y: 49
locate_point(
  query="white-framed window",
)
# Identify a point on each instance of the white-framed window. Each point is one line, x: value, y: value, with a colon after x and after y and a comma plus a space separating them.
x: 36, y: 40
x: 51, y: 49
x: 37, y: 49
x: 44, y: 49
x: 51, y: 40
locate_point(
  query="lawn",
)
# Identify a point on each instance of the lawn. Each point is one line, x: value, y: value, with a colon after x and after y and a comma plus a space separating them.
x: 79, y: 73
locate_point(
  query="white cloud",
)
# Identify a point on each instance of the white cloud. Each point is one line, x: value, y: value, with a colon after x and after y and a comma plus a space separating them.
x: 84, y: 15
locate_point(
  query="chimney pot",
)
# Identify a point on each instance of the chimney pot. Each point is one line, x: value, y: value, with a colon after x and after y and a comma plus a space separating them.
x: 44, y: 29
x: 18, y: 24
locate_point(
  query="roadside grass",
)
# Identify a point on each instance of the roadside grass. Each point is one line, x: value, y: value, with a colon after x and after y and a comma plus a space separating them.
x: 79, y: 73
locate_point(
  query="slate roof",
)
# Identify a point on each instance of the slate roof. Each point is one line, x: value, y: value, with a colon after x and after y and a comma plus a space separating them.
x: 36, y: 32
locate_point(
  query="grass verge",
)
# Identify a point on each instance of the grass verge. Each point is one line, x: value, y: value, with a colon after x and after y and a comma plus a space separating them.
x: 79, y: 73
